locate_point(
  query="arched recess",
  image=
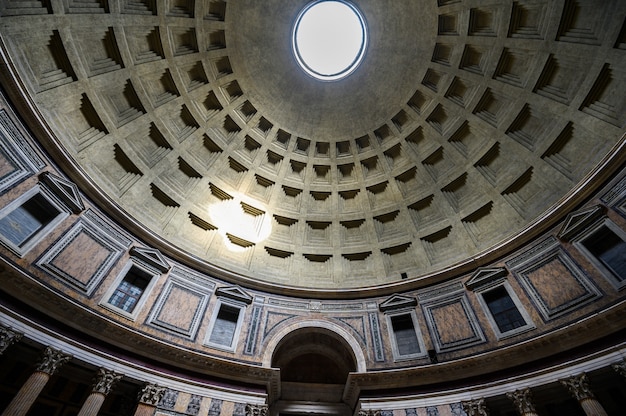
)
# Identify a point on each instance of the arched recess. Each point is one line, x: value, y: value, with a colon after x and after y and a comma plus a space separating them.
x: 314, y: 359
x: 321, y: 326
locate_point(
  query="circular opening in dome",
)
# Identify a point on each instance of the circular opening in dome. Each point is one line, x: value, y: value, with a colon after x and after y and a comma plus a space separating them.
x: 329, y: 39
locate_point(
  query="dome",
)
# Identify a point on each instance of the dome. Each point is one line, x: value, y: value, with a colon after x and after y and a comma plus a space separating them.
x: 462, y: 129
x: 185, y: 199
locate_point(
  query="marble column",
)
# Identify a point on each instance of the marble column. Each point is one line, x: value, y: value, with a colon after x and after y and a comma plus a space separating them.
x: 523, y: 402
x: 52, y: 360
x: 256, y: 410
x: 8, y: 337
x: 578, y: 386
x: 475, y: 407
x: 149, y: 398
x: 103, y: 383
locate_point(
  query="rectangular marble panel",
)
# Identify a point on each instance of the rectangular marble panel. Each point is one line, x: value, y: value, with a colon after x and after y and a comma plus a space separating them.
x: 552, y: 279
x: 82, y: 257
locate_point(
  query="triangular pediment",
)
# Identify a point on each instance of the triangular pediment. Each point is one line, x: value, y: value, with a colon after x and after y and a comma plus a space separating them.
x: 65, y: 190
x: 397, y: 302
x: 235, y: 293
x: 152, y: 257
x: 485, y: 275
x: 578, y: 221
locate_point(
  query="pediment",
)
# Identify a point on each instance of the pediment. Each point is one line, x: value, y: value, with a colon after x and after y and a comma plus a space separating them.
x: 235, y: 293
x: 578, y: 221
x: 65, y: 190
x: 152, y: 257
x: 397, y: 302
x: 485, y: 275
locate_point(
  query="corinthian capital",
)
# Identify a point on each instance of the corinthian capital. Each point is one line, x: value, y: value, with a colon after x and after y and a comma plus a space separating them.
x: 8, y: 337
x: 151, y: 394
x: 475, y: 407
x: 256, y: 410
x: 620, y: 368
x: 578, y: 386
x: 523, y: 401
x: 104, y: 381
x: 52, y: 360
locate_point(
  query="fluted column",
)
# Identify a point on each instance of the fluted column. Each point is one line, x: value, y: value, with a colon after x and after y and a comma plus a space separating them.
x: 620, y: 368
x: 149, y: 398
x: 102, y: 385
x: 475, y: 407
x: 8, y: 337
x: 523, y: 402
x: 579, y: 388
x: 52, y: 360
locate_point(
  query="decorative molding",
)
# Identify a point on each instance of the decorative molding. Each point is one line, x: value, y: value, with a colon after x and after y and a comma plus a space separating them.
x: 253, y: 329
x: 352, y: 322
x: 168, y: 400
x: 620, y: 368
x: 379, y: 352
x: 65, y: 190
x: 193, y: 407
x: 282, y: 318
x: 105, y: 380
x: 52, y: 361
x: 235, y: 293
x: 397, y: 302
x: 485, y: 275
x: 578, y: 221
x: 152, y: 257
x: 151, y: 394
x: 18, y: 152
x: 369, y: 412
x: 216, y: 408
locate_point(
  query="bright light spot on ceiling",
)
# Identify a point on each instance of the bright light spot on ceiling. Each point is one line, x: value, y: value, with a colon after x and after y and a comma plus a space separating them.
x: 240, y: 224
x: 329, y: 39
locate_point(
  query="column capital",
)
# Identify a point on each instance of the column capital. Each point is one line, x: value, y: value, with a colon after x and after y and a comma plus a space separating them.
x: 256, y: 410
x: 475, y: 407
x: 523, y: 401
x: 369, y: 412
x: 52, y: 360
x: 620, y: 368
x: 104, y: 381
x: 578, y: 386
x: 151, y: 394
x: 8, y: 336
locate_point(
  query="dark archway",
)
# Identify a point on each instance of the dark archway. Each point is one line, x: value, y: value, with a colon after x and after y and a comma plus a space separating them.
x: 314, y: 366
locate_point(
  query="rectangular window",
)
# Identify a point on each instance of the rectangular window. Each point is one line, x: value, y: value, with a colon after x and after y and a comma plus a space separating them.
x: 225, y: 326
x: 404, y: 333
x: 130, y: 289
x: 27, y: 219
x: 609, y: 249
x: 503, y: 310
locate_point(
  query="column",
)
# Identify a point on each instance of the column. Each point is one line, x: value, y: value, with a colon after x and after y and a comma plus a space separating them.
x: 52, y: 360
x: 475, y: 407
x: 256, y: 410
x: 578, y: 386
x: 620, y: 368
x: 8, y: 337
x: 149, y: 398
x: 102, y: 385
x: 523, y: 402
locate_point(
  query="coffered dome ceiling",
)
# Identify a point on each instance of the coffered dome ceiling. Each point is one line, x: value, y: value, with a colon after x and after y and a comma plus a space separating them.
x: 464, y: 126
